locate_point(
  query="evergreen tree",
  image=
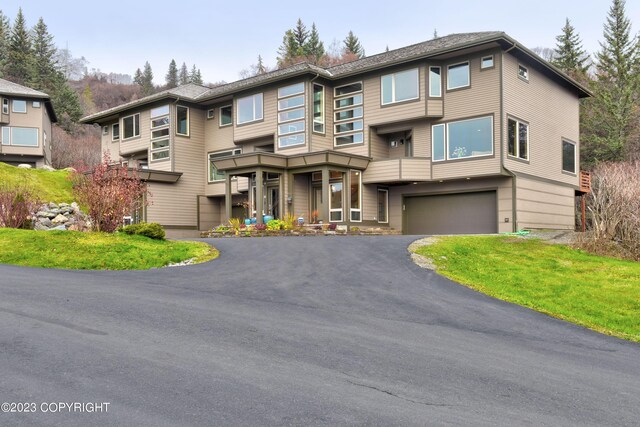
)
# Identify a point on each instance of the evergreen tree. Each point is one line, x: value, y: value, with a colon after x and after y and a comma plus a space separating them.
x: 183, y: 76
x: 172, y: 75
x: 137, y: 77
x: 569, y: 55
x: 195, y: 76
x: 19, y: 56
x: 260, y: 67
x: 301, y: 35
x: 5, y: 31
x: 66, y: 103
x: 289, y: 51
x: 314, y: 48
x: 44, y: 64
x: 435, y: 33
x: 352, y: 45
x: 610, y: 118
x: 147, y: 80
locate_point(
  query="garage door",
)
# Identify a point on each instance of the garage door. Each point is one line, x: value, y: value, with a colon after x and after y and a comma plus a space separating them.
x: 465, y: 213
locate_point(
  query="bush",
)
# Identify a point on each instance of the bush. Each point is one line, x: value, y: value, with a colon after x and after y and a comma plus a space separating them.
x: 260, y: 227
x: 152, y: 230
x: 16, y: 207
x: 276, y: 224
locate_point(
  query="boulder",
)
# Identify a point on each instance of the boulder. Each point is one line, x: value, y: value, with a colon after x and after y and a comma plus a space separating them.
x: 70, y: 169
x: 42, y: 214
x: 47, y: 168
x: 52, y: 205
x: 40, y: 227
x: 24, y: 166
x: 59, y: 228
x: 60, y: 219
x: 46, y: 222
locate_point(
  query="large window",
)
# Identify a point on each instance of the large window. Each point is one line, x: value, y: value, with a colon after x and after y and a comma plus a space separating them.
x: 435, y: 82
x: 335, y: 202
x: 318, y: 108
x: 19, y: 106
x: 569, y: 156
x: 291, y: 130
x: 462, y: 139
x: 182, y: 120
x: 214, y: 174
x: 355, y: 178
x: 401, y: 86
x: 348, y: 112
x: 17, y: 136
x: 249, y: 109
x: 383, y: 205
x: 518, y: 139
x: 131, y: 126
x: 458, y: 76
x: 226, y: 115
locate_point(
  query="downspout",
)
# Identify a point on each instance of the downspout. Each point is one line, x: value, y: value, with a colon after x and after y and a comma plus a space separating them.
x: 514, y: 211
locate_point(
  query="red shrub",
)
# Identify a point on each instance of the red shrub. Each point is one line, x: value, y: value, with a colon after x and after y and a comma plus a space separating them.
x: 16, y: 206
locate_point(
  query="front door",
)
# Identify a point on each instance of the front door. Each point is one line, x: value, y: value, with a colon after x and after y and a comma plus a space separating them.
x: 273, y: 202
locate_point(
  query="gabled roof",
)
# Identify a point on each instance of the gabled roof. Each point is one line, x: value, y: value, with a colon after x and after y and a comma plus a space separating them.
x: 430, y: 48
x: 10, y: 88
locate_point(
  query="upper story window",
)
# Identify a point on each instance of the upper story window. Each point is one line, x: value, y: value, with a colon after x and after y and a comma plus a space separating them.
x: 210, y: 113
x: 19, y: 106
x: 348, y: 113
x: 569, y: 159
x: 458, y: 76
x: 226, y: 115
x: 435, y: 82
x: 115, y: 132
x: 523, y: 72
x: 35, y: 104
x: 318, y: 108
x: 462, y: 139
x: 486, y: 62
x: 105, y: 130
x: 159, y: 116
x: 291, y: 115
x: 518, y: 139
x: 182, y: 120
x: 5, y: 106
x: 18, y: 136
x: 131, y: 126
x: 401, y: 86
x: 249, y: 109
x: 214, y: 174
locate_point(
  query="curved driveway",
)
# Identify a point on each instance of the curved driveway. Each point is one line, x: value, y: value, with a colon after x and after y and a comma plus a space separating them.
x: 300, y: 331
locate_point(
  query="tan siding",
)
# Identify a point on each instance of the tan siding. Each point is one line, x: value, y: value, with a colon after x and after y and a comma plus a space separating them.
x: 113, y: 148
x: 46, y: 128
x: 552, y: 113
x: 435, y: 107
x: 324, y: 142
x: 422, y: 139
x: 140, y: 143
x: 544, y: 205
x: 382, y: 171
x: 33, y: 118
x: 217, y: 138
x: 301, y: 204
x: 375, y: 113
x: 415, y: 169
x: 379, y: 146
x: 267, y: 126
x: 209, y: 212
x: 466, y: 168
x: 370, y: 202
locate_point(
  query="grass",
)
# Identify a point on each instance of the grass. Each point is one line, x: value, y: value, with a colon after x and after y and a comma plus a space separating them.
x: 95, y: 251
x: 597, y: 292
x: 46, y: 186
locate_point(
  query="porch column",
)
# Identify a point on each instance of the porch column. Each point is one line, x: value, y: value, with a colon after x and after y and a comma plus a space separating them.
x: 259, y: 196
x: 284, y: 206
x: 227, y: 196
x: 324, y: 206
x: 290, y: 191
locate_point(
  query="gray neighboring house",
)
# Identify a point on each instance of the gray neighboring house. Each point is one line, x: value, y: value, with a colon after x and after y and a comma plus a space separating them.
x: 467, y: 133
x: 26, y: 116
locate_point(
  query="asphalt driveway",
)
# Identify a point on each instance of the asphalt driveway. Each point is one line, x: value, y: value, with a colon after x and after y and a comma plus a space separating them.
x: 299, y: 331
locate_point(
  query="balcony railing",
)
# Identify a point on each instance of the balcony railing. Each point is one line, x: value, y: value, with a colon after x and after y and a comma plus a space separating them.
x: 585, y: 181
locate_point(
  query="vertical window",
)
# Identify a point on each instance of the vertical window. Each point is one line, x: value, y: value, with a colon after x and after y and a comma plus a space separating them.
x: 131, y: 126
x: 458, y: 76
x: 486, y: 62
x: 335, y: 202
x: 291, y: 112
x: 249, y: 109
x: 182, y: 120
x: 19, y: 106
x: 160, y: 142
x: 437, y: 138
x: 347, y: 107
x: 518, y: 139
x: 226, y: 117
x: 5, y: 106
x: 435, y: 82
x: 401, y: 86
x: 318, y: 108
x: 383, y: 205
x: 523, y: 72
x: 214, y: 174
x: 115, y: 132
x: 569, y: 156
x: 356, y: 195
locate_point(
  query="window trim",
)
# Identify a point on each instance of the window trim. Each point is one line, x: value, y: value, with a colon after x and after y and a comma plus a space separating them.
x: 188, y: 124
x: 322, y: 109
x: 360, y: 82
x: 35, y: 104
x: 233, y: 151
x: 211, y: 113
x: 335, y: 145
x: 393, y: 87
x: 335, y: 131
x: 135, y: 129
x: 220, y: 115
x: 280, y: 96
x: 446, y: 140
x: 516, y: 156
x: 290, y: 135
x: 431, y: 95
x: 300, y: 95
x: 468, y: 64
x: 524, y: 77
x: 341, y: 209
x: 575, y: 156
x: 350, y: 118
x: 105, y: 130
x: 13, y: 106
x: 359, y: 208
x: 11, y: 144
x: 5, y: 105
x: 386, y: 191
x: 115, y: 136
x: 493, y: 63
x: 255, y: 119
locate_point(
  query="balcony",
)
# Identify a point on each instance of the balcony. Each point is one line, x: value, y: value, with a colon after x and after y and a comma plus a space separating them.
x: 397, y: 170
x: 585, y: 182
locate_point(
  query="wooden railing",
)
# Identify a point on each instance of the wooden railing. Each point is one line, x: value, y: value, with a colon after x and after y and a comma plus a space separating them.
x: 585, y: 181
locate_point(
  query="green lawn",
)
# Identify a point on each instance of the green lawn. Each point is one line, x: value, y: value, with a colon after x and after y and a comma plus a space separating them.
x: 599, y: 293
x: 95, y: 251
x: 46, y: 186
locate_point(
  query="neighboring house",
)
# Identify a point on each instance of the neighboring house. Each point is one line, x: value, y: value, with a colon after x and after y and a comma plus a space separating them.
x: 25, y: 125
x: 468, y: 133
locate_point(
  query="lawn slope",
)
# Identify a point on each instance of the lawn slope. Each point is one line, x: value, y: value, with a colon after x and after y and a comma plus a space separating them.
x: 46, y: 186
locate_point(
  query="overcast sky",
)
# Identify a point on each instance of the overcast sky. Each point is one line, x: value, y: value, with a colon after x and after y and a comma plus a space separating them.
x: 222, y: 38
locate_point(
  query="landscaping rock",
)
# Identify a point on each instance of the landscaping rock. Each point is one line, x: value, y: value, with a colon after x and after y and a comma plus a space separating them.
x: 58, y: 228
x: 24, y: 166
x: 60, y: 219
x: 48, y: 168
x: 52, y: 216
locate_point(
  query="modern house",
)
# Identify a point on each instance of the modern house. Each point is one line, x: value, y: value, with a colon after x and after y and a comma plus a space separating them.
x: 468, y: 133
x: 25, y: 125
